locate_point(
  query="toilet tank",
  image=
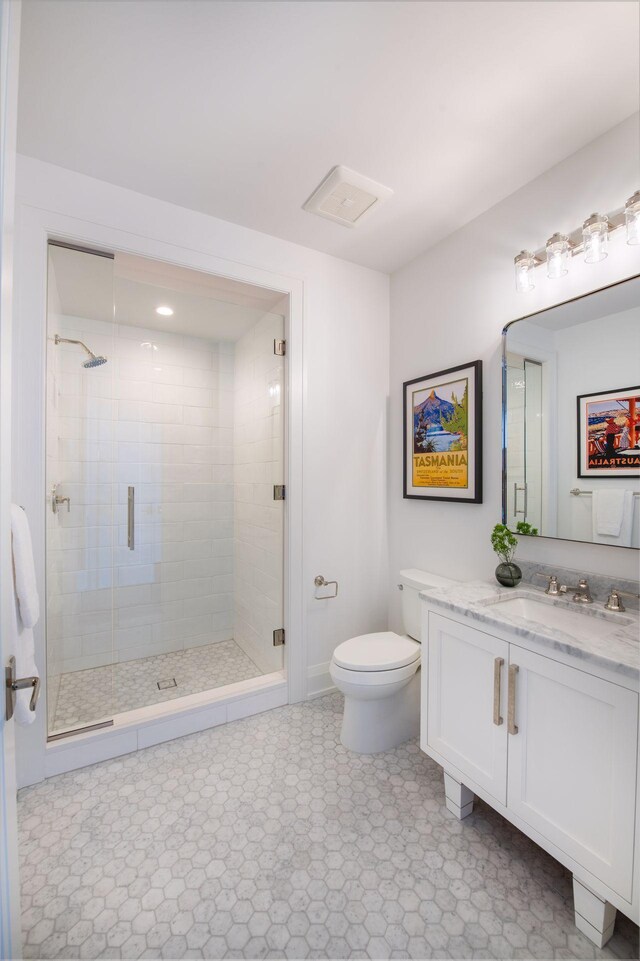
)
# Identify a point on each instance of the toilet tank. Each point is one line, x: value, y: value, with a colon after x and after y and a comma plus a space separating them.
x: 411, y: 582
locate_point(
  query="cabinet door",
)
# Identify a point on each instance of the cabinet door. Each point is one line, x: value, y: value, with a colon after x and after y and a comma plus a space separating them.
x: 463, y: 676
x: 572, y: 764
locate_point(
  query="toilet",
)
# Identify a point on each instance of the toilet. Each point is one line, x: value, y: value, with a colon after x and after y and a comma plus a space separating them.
x: 378, y: 675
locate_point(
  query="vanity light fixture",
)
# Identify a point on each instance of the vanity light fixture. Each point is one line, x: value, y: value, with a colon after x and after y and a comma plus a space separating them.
x: 592, y: 240
x: 525, y: 263
x: 595, y: 237
x: 632, y: 218
x: 165, y: 311
x: 557, y: 256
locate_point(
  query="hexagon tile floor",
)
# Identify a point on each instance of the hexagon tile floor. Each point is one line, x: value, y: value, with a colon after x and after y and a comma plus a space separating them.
x: 266, y: 838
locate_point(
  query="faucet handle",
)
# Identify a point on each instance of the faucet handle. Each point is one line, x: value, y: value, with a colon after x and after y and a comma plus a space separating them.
x: 613, y: 601
x: 552, y: 583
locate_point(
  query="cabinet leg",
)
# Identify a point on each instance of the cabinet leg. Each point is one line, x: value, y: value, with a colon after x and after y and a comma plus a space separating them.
x: 594, y: 916
x: 459, y: 799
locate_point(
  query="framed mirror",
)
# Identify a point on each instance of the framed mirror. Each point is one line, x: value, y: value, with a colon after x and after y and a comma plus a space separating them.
x: 571, y: 419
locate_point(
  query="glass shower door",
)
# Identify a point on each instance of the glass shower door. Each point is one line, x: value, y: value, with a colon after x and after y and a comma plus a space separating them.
x: 80, y: 490
x: 525, y: 445
x: 165, y: 440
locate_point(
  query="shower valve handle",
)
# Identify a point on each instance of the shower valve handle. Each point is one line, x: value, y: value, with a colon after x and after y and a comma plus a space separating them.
x: 57, y: 501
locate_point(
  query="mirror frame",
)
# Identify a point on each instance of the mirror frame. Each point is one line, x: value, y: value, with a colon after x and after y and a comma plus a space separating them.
x: 505, y: 329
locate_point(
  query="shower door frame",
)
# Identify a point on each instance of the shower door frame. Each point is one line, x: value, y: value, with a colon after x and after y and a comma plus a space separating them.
x: 145, y: 726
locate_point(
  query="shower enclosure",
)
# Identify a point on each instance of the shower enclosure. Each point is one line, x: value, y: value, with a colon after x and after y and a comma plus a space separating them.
x: 164, y: 440
x: 525, y: 447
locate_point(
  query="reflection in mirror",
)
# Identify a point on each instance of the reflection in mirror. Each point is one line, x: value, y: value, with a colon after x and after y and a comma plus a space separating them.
x: 571, y: 419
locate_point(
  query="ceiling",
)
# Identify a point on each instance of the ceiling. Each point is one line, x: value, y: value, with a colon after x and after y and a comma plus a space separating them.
x: 128, y: 290
x: 240, y: 109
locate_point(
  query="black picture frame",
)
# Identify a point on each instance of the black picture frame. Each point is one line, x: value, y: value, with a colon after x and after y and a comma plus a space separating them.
x: 432, y: 461
x: 609, y: 467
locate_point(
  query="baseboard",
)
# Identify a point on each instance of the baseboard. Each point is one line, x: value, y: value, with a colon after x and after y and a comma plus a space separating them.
x: 319, y: 681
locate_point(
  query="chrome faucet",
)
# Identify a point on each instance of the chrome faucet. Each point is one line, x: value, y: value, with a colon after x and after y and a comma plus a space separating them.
x: 552, y: 583
x: 582, y: 593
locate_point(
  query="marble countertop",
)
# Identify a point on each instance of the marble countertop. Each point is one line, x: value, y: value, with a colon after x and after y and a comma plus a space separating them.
x: 618, y: 650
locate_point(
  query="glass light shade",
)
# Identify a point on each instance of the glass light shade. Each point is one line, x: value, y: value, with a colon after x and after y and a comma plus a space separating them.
x: 557, y: 256
x: 632, y: 218
x: 595, y: 237
x: 525, y: 264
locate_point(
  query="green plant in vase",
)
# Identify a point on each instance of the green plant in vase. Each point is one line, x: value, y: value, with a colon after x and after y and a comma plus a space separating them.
x: 523, y: 527
x: 504, y: 542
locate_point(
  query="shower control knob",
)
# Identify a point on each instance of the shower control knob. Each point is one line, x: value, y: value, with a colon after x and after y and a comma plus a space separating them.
x: 57, y: 501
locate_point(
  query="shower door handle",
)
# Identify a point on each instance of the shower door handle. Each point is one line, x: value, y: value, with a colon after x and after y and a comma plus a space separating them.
x: 515, y: 498
x: 131, y: 517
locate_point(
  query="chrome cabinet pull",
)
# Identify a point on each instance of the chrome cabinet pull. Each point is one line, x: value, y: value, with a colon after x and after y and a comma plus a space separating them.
x: 131, y: 513
x: 497, y: 669
x: 512, y: 727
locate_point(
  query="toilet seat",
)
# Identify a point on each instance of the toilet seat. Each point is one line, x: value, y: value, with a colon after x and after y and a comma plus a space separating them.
x: 378, y: 652
x: 350, y: 680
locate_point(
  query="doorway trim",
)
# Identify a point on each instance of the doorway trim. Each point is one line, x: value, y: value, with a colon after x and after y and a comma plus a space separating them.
x: 36, y: 227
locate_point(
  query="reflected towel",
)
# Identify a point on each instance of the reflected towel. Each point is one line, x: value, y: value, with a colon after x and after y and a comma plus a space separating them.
x: 26, y: 605
x: 24, y: 571
x: 612, y: 517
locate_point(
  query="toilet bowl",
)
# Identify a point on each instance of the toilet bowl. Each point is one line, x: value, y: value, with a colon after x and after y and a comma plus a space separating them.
x: 379, y: 676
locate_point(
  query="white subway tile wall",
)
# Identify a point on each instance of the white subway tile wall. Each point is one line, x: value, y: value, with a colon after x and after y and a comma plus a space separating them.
x: 158, y: 416
x: 259, y: 464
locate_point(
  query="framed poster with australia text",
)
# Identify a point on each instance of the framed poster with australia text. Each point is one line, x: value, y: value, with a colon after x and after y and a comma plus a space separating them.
x: 609, y: 433
x: 443, y: 435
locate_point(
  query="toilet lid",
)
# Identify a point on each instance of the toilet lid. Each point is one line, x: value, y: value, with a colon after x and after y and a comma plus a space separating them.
x: 376, y: 652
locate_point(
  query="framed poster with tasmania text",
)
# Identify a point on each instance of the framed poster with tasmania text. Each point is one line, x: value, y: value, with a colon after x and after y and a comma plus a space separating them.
x: 443, y: 435
x: 609, y: 433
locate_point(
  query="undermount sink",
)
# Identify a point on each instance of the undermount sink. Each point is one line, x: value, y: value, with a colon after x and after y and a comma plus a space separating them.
x: 544, y: 611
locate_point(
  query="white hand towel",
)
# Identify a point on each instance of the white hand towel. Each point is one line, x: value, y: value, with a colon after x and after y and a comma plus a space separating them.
x: 25, y: 666
x: 613, y: 517
x: 24, y: 571
x: 25, y: 609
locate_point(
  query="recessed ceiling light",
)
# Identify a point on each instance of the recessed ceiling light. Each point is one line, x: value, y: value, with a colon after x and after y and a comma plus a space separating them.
x: 165, y: 311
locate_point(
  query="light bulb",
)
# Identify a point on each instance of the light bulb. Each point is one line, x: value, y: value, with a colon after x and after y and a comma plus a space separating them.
x: 557, y: 256
x: 632, y: 218
x: 595, y: 236
x: 164, y: 311
x: 525, y: 263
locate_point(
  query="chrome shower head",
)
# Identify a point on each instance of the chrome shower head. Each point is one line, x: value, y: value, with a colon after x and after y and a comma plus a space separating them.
x: 94, y: 360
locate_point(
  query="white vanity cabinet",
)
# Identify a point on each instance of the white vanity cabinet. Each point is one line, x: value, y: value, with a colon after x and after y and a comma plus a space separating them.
x: 550, y: 745
x: 572, y: 764
x: 462, y: 676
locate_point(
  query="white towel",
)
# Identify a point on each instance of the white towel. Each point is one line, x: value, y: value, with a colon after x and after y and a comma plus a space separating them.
x: 24, y: 572
x: 27, y: 601
x: 612, y: 512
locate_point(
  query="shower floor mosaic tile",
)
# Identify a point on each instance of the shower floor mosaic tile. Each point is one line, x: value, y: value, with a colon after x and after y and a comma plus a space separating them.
x: 85, y: 697
x: 266, y: 838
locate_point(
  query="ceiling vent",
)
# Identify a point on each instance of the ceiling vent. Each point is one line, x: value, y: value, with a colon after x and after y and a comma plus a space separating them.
x: 346, y: 196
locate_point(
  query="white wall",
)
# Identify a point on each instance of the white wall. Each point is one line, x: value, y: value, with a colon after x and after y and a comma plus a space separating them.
x: 345, y: 376
x: 449, y: 307
x: 258, y: 446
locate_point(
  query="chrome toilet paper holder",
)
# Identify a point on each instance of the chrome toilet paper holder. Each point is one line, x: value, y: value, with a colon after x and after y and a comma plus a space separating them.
x: 319, y: 581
